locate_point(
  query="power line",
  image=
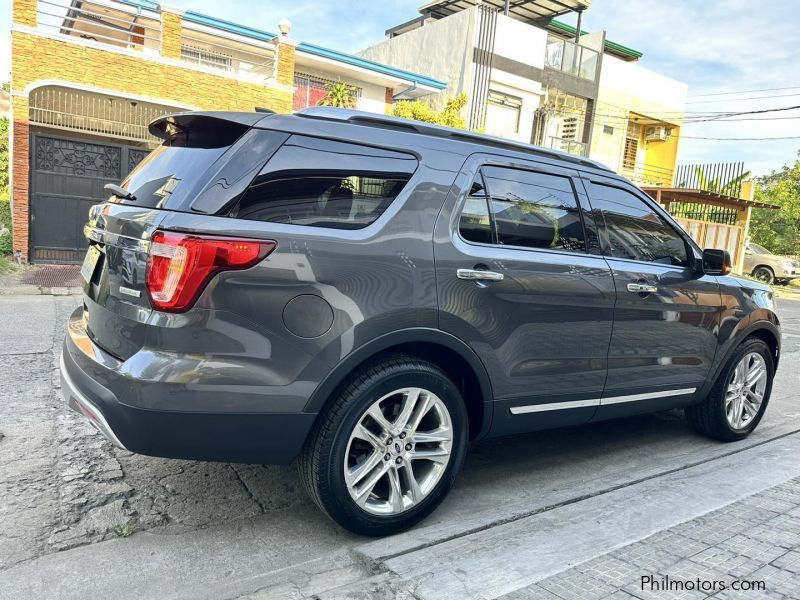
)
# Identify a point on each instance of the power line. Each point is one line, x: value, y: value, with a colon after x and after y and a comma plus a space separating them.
x: 743, y: 139
x: 741, y: 99
x: 744, y: 92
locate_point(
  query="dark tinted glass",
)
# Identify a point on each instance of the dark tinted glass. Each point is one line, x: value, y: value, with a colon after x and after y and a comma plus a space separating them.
x: 474, y: 224
x: 321, y: 183
x: 534, y: 210
x: 169, y: 173
x: 635, y: 230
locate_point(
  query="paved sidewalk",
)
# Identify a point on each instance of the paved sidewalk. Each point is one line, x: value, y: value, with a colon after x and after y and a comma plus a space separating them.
x: 753, y: 544
x: 48, y: 280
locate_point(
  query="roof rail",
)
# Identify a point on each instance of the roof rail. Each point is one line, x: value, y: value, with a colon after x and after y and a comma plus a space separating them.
x: 331, y: 113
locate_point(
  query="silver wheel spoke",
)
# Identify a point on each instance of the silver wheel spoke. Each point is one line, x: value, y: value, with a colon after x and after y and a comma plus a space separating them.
x: 422, y: 409
x: 378, y: 469
x: 352, y: 477
x: 439, y: 455
x: 413, y: 485
x: 407, y: 408
x: 365, y: 434
x: 756, y: 373
x: 429, y: 437
x: 395, y: 493
x: 377, y: 416
x: 362, y: 495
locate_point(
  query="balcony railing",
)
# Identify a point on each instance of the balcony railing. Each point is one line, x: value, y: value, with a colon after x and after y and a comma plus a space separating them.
x: 645, y: 174
x: 121, y: 25
x: 571, y: 58
x: 252, y: 60
x: 569, y: 146
x: 720, y: 178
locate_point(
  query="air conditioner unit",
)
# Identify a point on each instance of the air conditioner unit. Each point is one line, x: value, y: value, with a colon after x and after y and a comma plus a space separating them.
x: 657, y: 133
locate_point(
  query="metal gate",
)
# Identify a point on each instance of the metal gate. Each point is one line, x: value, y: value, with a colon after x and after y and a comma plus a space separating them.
x: 67, y: 177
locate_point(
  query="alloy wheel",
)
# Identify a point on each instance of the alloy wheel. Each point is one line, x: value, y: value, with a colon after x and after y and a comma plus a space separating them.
x: 398, y: 451
x: 746, y: 389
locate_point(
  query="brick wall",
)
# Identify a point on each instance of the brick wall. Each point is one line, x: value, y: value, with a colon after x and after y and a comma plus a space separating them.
x: 20, y: 171
x: 171, y: 28
x: 24, y: 12
x: 35, y: 58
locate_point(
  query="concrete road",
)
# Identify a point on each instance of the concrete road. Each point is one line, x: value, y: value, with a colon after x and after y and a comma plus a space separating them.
x: 80, y: 519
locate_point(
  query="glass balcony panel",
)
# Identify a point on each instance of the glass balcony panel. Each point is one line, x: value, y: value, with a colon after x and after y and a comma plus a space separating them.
x: 588, y: 68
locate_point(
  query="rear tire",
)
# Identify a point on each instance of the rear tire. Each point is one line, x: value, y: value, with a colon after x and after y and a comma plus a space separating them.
x: 378, y: 473
x: 764, y: 275
x: 734, y: 407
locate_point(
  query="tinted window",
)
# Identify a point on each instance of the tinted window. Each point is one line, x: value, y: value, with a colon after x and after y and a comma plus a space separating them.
x: 321, y: 183
x: 169, y: 173
x: 534, y: 210
x: 635, y: 230
x: 474, y: 224
x: 175, y: 171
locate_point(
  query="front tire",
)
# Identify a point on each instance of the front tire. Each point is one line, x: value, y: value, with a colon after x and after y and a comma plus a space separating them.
x: 736, y: 403
x: 388, y: 448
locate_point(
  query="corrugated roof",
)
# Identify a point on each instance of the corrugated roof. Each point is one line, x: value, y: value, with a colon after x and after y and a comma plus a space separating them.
x: 610, y: 47
x: 529, y: 10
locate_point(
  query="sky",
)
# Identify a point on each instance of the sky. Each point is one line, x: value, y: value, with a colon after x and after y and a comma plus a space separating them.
x: 726, y: 48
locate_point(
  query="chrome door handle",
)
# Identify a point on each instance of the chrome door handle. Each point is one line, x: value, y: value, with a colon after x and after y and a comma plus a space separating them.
x: 642, y: 288
x: 478, y: 275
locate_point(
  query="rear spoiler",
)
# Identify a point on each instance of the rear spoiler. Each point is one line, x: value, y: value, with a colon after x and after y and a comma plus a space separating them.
x: 198, y: 128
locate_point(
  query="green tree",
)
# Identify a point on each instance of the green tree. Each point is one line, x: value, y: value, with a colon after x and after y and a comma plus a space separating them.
x: 340, y: 94
x: 728, y: 188
x: 778, y: 230
x: 419, y: 110
x: 5, y: 206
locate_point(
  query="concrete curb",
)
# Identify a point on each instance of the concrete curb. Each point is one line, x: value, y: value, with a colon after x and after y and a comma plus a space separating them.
x: 32, y: 290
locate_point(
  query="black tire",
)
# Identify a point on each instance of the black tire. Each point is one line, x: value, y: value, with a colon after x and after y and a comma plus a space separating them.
x: 321, y: 462
x: 764, y: 274
x: 709, y: 418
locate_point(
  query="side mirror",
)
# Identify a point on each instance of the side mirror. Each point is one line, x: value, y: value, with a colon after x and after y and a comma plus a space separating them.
x: 716, y: 262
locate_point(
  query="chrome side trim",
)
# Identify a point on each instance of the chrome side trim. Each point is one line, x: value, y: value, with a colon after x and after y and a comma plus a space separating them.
x: 77, y: 401
x: 647, y: 396
x: 532, y: 408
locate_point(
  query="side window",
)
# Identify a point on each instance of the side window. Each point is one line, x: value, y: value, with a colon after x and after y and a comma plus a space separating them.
x: 322, y: 183
x: 635, y: 230
x: 534, y: 210
x: 474, y: 224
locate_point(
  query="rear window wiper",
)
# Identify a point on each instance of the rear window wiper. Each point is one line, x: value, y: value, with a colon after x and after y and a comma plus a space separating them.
x: 119, y: 192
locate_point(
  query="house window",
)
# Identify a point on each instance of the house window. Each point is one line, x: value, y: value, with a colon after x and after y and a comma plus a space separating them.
x: 310, y: 90
x: 503, y: 113
x: 206, y: 57
x: 631, y: 146
x: 608, y: 130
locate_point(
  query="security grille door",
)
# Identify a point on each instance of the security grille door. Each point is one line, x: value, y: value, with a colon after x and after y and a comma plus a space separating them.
x: 67, y: 177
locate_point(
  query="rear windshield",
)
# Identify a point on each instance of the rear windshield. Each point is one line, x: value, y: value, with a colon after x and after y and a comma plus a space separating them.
x: 168, y: 173
x: 173, y: 170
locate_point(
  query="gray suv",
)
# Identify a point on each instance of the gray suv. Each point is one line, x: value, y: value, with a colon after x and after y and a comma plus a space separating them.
x: 368, y: 294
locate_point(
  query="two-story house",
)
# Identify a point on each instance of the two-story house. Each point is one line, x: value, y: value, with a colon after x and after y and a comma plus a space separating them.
x: 87, y: 76
x: 535, y: 79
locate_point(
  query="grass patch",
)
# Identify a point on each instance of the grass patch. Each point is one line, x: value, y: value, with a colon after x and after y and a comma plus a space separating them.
x: 124, y: 531
x: 8, y: 265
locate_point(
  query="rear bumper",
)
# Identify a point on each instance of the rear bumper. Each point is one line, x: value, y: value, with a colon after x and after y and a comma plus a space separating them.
x: 93, y: 386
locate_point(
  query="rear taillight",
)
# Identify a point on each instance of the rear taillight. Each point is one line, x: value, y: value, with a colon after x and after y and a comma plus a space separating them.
x: 180, y: 265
